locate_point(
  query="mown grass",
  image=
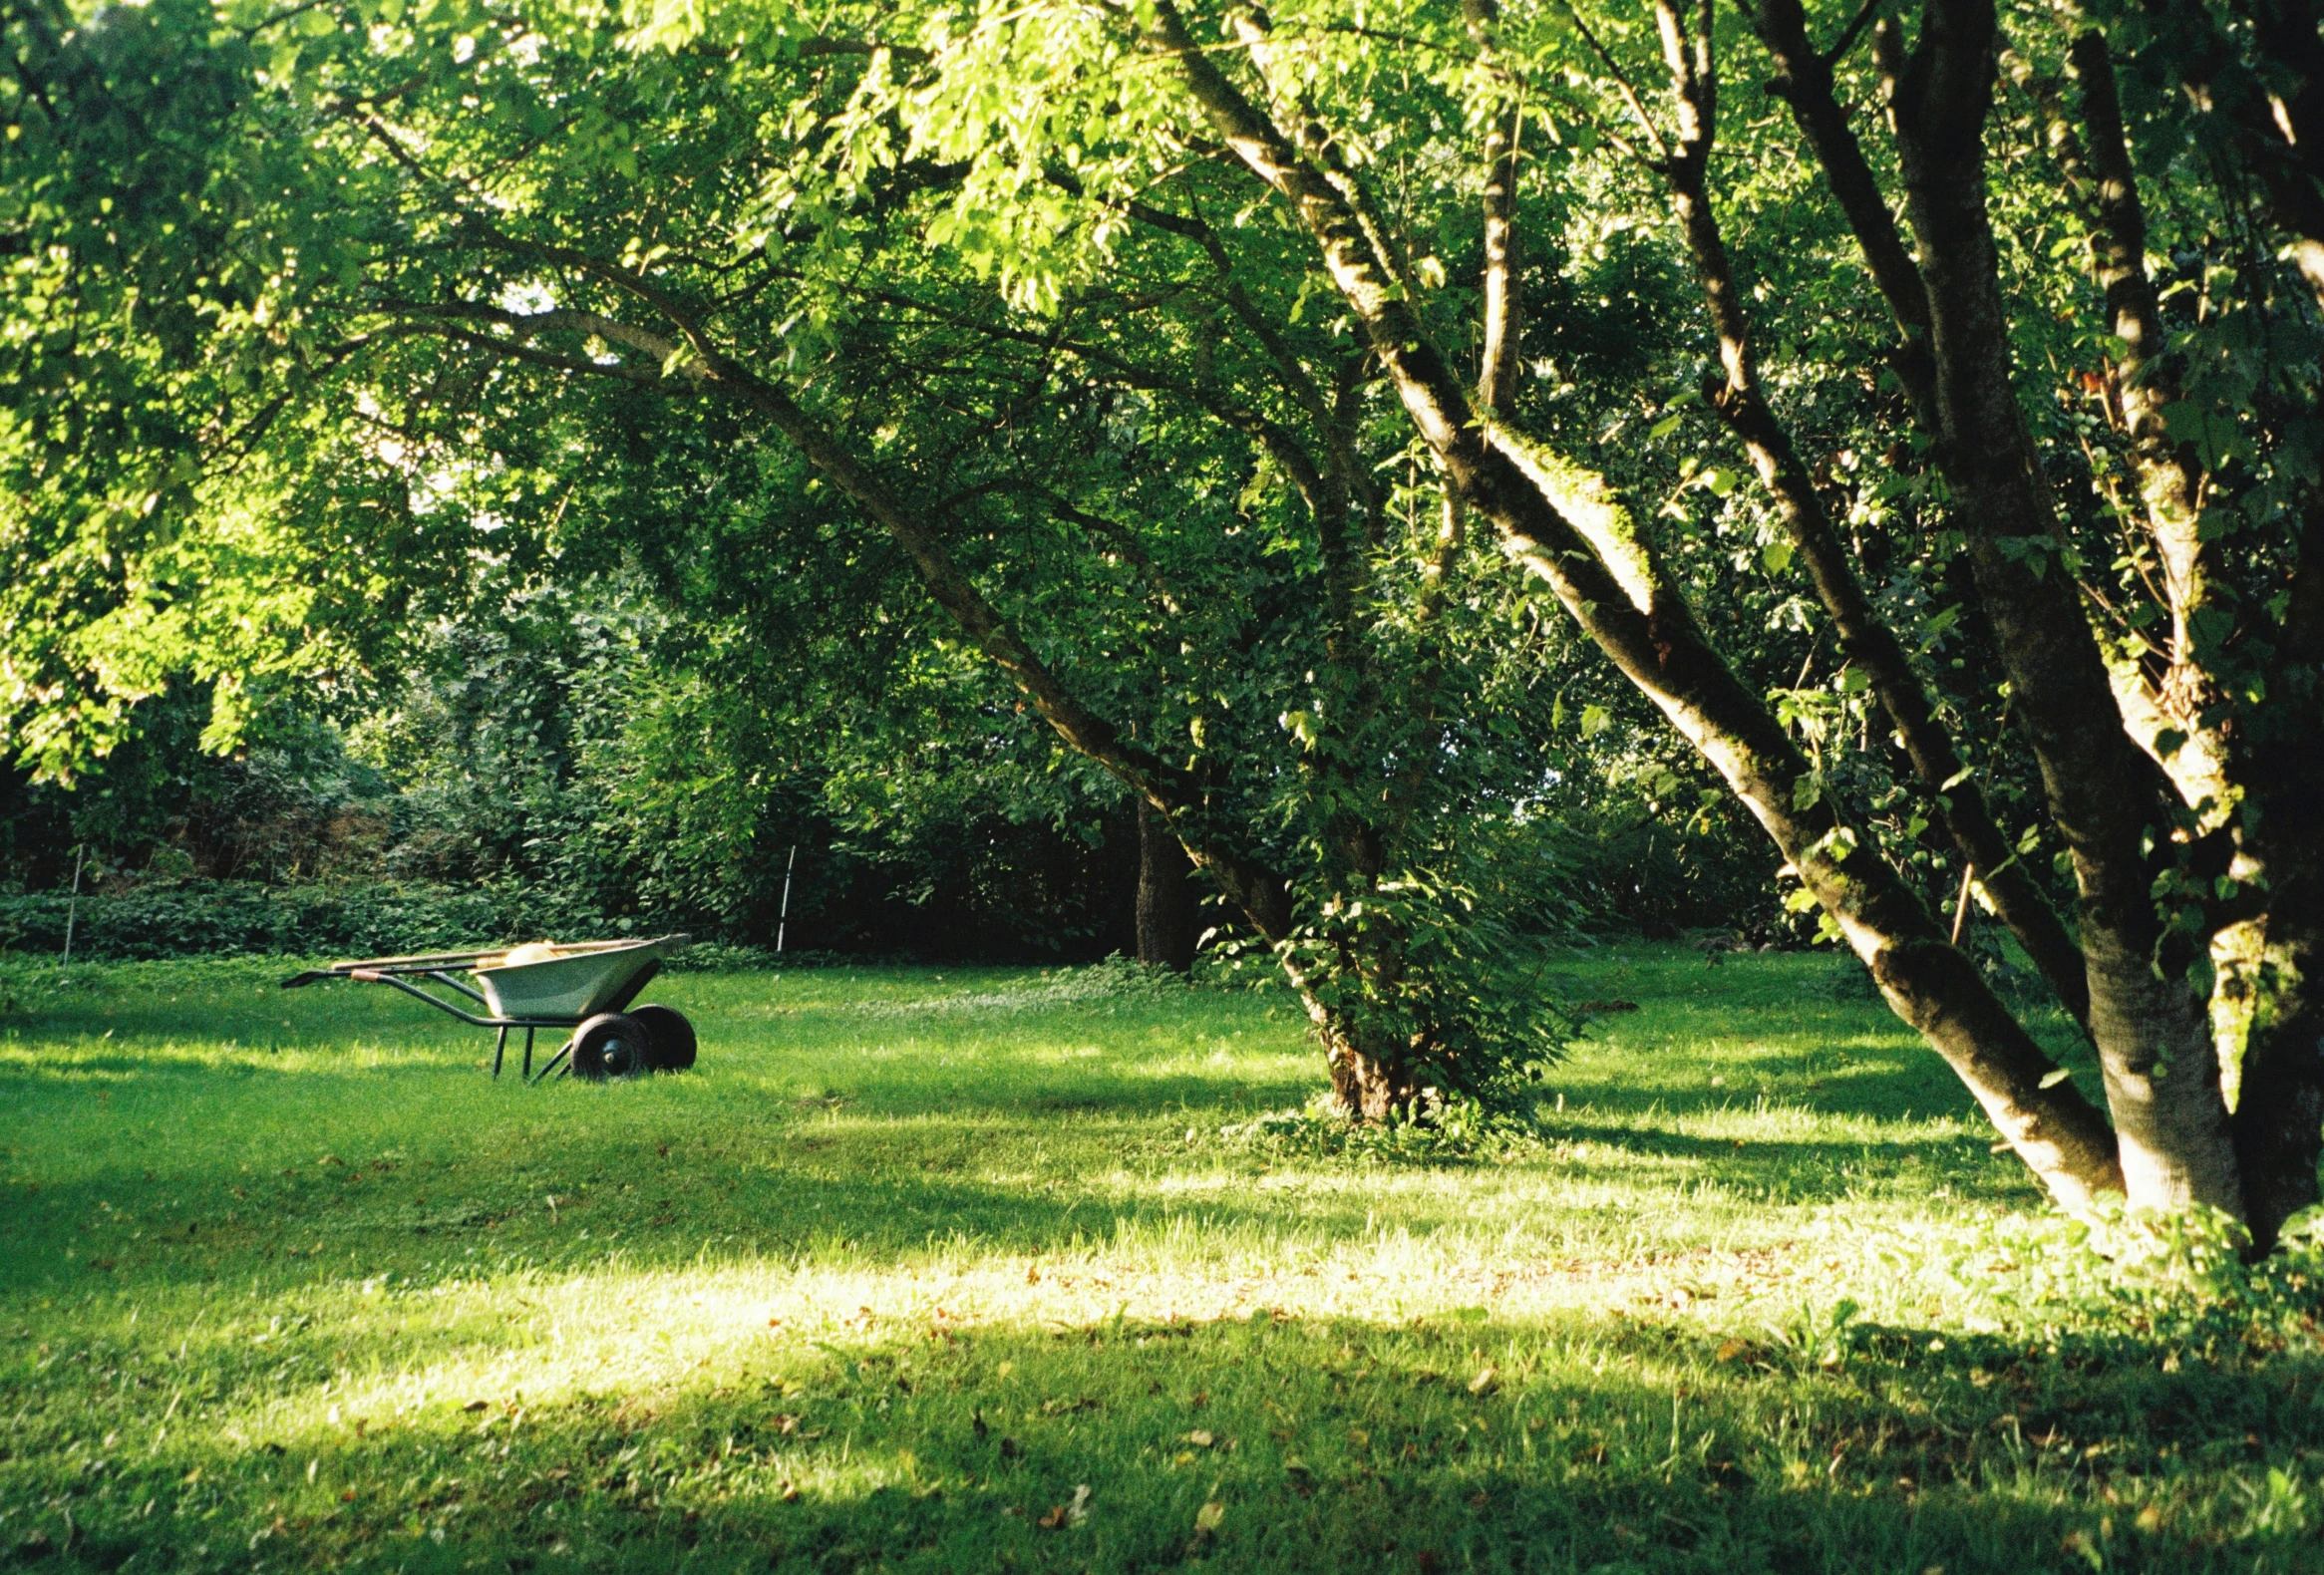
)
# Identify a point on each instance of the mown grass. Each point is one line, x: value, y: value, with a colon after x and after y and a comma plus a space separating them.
x: 951, y: 1270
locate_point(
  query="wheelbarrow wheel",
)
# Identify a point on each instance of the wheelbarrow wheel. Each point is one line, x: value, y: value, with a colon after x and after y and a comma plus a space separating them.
x: 671, y: 1036
x: 610, y: 1045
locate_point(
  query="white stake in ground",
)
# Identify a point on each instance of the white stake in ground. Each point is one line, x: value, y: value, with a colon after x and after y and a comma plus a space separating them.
x: 72, y: 908
x: 782, y: 919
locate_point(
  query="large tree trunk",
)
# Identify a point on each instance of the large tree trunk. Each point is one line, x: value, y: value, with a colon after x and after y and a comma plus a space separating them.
x: 1370, y: 1087
x: 2108, y: 797
x: 1166, y: 921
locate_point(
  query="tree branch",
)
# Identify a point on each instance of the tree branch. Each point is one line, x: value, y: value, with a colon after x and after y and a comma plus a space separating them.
x: 1804, y: 80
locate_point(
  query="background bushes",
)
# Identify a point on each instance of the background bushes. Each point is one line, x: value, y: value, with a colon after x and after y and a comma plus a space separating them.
x: 554, y: 771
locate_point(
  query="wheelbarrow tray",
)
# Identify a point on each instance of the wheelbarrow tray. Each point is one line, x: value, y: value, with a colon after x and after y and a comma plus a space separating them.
x: 580, y: 981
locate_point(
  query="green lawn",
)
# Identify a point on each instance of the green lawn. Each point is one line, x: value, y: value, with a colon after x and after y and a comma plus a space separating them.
x: 951, y: 1270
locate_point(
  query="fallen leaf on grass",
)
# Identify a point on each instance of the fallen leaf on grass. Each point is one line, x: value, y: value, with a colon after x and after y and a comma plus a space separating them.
x: 1483, y: 1382
x: 475, y: 1404
x: 1201, y: 1439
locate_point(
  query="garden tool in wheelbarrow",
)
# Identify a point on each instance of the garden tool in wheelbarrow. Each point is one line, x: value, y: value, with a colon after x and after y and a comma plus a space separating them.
x: 585, y: 986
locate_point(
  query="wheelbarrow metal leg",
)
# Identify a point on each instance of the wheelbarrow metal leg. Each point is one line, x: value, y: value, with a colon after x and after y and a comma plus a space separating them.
x: 553, y: 1061
x: 528, y: 1055
x: 500, y: 1049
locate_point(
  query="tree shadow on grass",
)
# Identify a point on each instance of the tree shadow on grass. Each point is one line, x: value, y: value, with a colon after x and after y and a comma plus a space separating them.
x: 1805, y: 1171
x: 1324, y: 1444
x: 877, y: 1189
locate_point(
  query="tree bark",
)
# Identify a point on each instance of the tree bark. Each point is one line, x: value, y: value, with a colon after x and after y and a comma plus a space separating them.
x: 1167, y: 919
x: 1565, y: 526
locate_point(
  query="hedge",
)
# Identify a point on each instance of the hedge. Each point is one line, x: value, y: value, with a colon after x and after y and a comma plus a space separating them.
x: 184, y: 918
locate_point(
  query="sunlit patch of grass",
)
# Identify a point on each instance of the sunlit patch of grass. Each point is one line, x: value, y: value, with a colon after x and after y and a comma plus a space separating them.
x: 921, y: 1255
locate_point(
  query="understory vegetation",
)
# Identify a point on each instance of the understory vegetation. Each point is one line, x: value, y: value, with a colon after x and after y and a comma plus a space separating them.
x: 977, y: 1269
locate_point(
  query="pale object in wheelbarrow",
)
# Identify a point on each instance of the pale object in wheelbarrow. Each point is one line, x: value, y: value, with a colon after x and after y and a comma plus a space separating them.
x: 569, y: 981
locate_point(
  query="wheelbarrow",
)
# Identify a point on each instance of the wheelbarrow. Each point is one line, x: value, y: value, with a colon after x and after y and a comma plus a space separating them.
x: 587, y: 986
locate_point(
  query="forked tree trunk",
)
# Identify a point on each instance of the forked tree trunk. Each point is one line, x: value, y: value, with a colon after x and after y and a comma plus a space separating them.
x: 1563, y: 526
x: 1167, y: 917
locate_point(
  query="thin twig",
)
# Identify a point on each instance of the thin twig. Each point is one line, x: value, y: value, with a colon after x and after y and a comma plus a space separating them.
x: 1630, y: 93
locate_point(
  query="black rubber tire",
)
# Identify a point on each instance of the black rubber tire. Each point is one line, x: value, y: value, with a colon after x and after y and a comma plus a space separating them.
x: 672, y: 1036
x: 612, y: 1045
